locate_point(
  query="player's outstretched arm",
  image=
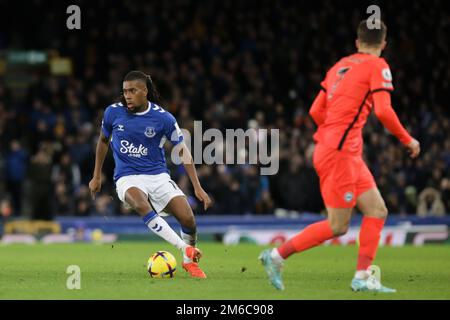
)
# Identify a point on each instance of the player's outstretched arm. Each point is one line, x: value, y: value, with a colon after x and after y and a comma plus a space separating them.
x: 318, y: 108
x: 100, y: 154
x: 387, y: 116
x: 188, y: 164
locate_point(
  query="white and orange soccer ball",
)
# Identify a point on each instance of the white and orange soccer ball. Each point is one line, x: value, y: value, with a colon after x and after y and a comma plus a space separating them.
x: 162, y: 264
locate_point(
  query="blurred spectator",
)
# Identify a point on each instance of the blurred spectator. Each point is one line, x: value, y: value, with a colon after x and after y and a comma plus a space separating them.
x: 83, y: 202
x: 62, y: 203
x: 16, y: 166
x: 184, y: 184
x: 445, y: 192
x: 298, y: 187
x: 430, y: 203
x: 103, y: 205
x: 233, y: 201
x: 263, y: 199
x: 40, y: 184
x: 67, y: 172
x: 410, y: 199
x: 5, y: 208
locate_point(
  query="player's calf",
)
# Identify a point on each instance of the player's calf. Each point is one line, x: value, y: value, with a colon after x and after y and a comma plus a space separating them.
x: 187, y: 222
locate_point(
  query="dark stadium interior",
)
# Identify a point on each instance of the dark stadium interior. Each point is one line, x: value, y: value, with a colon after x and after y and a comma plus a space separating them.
x: 225, y: 63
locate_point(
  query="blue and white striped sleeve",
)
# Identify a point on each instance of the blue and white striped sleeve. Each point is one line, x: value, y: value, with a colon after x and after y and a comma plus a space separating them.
x: 171, y: 129
x: 107, y: 125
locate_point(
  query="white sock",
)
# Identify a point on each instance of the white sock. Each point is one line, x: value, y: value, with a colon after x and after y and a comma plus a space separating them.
x: 191, y: 240
x: 159, y: 226
x: 275, y: 255
x: 362, y: 274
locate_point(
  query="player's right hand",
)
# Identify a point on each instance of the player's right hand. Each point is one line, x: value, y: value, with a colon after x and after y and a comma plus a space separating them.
x: 413, y: 148
x: 203, y: 197
x: 95, y: 185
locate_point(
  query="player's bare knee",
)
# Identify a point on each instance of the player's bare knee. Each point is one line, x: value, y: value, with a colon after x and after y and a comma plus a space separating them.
x: 381, y: 211
x: 339, y: 229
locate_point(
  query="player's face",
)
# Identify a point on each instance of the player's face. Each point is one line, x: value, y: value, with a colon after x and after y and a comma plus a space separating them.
x: 135, y: 94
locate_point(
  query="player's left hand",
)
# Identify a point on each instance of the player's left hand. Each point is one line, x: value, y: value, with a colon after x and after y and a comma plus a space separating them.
x: 203, y: 197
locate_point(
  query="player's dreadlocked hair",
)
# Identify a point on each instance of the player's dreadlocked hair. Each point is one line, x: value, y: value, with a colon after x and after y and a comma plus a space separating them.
x: 152, y: 95
x: 371, y: 37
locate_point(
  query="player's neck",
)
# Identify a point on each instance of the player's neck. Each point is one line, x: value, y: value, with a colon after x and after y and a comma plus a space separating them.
x: 371, y: 51
x: 142, y: 108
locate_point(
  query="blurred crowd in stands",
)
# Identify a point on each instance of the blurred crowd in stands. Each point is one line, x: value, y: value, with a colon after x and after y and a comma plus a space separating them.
x: 231, y: 64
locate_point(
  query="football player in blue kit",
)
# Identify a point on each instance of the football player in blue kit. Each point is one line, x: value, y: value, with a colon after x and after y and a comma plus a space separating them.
x: 137, y: 129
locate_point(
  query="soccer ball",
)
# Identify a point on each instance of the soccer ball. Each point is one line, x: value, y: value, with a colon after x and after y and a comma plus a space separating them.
x: 162, y: 264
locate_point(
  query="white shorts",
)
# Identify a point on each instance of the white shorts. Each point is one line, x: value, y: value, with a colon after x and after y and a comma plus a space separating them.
x: 159, y: 188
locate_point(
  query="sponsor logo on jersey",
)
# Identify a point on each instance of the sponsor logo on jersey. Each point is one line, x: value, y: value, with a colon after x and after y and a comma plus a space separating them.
x: 120, y: 128
x: 131, y: 150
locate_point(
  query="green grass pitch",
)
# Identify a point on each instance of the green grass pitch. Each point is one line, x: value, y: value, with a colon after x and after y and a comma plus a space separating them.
x: 119, y: 272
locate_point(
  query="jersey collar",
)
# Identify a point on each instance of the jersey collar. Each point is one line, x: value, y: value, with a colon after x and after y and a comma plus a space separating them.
x: 146, y: 111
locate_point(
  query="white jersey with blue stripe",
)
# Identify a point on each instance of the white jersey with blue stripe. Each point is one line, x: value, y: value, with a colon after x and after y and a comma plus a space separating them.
x: 138, y: 138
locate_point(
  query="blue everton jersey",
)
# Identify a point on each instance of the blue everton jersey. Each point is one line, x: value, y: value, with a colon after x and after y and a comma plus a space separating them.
x: 138, y: 138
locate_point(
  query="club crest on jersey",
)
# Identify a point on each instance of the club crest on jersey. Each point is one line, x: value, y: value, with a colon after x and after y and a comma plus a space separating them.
x: 150, y: 132
x: 348, y: 196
